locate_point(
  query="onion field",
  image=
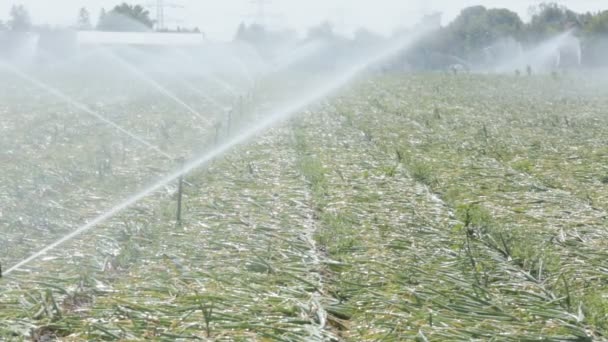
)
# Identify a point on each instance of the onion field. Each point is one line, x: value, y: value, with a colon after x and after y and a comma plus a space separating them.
x: 405, y: 207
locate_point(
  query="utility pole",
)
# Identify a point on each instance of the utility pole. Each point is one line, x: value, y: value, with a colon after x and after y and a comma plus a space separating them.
x: 160, y: 15
x: 160, y: 7
x: 261, y: 13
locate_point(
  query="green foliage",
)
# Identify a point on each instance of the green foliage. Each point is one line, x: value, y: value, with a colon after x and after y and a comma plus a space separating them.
x: 20, y: 19
x: 372, y: 257
x: 423, y: 173
x: 595, y: 309
x: 598, y: 24
x: 463, y: 39
x: 474, y: 216
x: 550, y: 19
x: 478, y: 27
x: 126, y: 18
x: 324, y: 30
x: 514, y: 243
x: 466, y: 39
x: 84, y: 20
x: 261, y: 37
x: 338, y: 235
x: 389, y: 170
x: 254, y: 33
x: 596, y: 38
x: 523, y: 165
x: 312, y: 169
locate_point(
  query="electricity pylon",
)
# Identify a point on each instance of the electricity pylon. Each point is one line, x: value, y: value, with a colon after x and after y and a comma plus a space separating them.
x: 160, y: 6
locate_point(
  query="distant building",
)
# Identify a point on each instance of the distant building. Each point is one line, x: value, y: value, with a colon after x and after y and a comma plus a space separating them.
x: 84, y: 38
x: 57, y: 44
x: 50, y: 44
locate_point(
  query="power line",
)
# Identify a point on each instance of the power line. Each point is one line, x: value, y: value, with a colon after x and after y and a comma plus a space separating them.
x: 160, y: 14
x: 161, y: 6
x: 261, y: 12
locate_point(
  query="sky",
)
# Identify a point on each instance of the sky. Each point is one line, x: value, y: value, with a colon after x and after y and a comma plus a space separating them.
x: 219, y: 18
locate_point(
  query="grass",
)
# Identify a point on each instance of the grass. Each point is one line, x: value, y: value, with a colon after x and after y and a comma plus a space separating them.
x: 423, y: 173
x: 411, y: 207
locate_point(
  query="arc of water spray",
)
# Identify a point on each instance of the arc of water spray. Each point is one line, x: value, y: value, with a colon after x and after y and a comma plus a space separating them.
x: 193, y: 88
x: 540, y: 56
x: 134, y: 70
x: 295, y: 55
x: 243, y: 67
x: 83, y: 108
x: 320, y: 93
x: 283, y: 62
x: 228, y: 87
x: 200, y: 93
x: 69, y: 60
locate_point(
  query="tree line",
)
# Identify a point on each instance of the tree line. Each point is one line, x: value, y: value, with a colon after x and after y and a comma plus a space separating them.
x: 122, y: 18
x: 468, y: 38
x: 464, y: 39
x: 477, y: 28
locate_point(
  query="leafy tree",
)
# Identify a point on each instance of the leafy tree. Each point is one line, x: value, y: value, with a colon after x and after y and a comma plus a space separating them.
x: 598, y: 24
x: 260, y: 36
x: 465, y: 40
x: 241, y: 32
x: 478, y: 27
x: 20, y: 19
x: 126, y: 17
x: 478, y: 35
x: 364, y: 36
x: 595, y: 43
x: 504, y: 23
x: 84, y: 20
x: 325, y: 30
x: 549, y: 19
x: 254, y: 33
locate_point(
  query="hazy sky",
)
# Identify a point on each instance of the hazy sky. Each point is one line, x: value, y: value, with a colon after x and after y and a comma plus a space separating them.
x: 219, y: 18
